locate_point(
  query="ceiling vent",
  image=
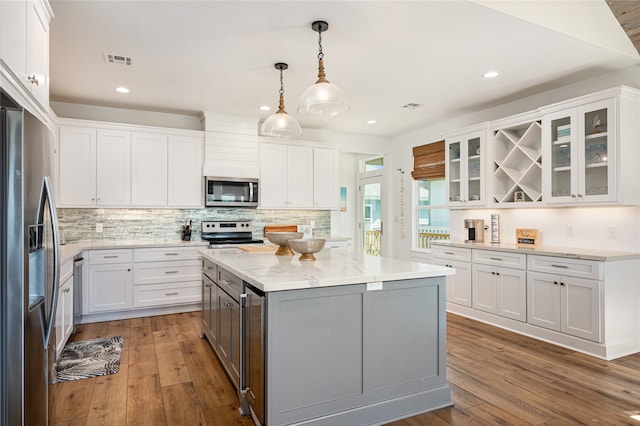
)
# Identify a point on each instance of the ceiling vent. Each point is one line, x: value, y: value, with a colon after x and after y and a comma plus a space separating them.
x: 117, y: 59
x: 411, y: 105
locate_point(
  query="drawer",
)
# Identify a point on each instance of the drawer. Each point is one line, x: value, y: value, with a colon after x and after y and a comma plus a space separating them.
x: 166, y: 272
x: 163, y: 254
x: 66, y: 271
x: 453, y: 253
x: 97, y: 257
x: 565, y: 266
x: 229, y: 282
x: 500, y: 258
x: 167, y: 294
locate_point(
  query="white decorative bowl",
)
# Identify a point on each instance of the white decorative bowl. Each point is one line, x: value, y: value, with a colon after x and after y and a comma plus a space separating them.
x: 282, y: 239
x: 307, y: 247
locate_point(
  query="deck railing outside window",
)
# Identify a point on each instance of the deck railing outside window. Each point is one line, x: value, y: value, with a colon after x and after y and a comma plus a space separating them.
x: 372, y: 242
x: 425, y: 236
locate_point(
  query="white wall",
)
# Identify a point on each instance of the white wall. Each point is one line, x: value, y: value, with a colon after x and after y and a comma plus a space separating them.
x: 590, y: 223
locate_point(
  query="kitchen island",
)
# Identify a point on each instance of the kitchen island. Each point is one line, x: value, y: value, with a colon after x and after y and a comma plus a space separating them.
x: 346, y: 339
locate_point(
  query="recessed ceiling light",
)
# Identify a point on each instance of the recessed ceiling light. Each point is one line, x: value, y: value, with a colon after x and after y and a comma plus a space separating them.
x: 265, y: 108
x: 122, y: 89
x: 371, y: 121
x: 491, y: 74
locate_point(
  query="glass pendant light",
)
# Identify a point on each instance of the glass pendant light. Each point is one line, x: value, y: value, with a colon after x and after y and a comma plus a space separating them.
x: 323, y: 98
x: 281, y: 124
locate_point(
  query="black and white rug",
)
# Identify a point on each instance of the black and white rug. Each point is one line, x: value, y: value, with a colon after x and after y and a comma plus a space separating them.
x: 89, y: 358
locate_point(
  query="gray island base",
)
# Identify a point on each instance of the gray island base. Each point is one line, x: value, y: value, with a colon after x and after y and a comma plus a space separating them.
x: 353, y: 340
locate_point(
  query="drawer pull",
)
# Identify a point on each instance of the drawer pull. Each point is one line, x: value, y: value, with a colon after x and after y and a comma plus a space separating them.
x: 450, y: 253
x: 114, y: 256
x: 560, y: 266
x: 171, y: 272
x: 171, y: 254
x: 175, y: 293
x: 496, y: 258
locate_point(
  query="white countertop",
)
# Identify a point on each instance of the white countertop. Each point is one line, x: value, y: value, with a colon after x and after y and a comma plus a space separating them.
x: 569, y: 252
x: 332, y: 268
x: 69, y: 251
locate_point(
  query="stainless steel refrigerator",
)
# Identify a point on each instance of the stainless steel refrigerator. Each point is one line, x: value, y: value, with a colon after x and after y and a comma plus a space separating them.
x: 30, y: 268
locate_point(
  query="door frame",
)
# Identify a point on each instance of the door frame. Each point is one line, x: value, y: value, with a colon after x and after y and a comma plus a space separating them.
x: 363, y: 178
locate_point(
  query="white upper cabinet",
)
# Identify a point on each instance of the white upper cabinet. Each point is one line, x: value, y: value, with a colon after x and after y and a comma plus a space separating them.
x: 298, y: 177
x: 149, y: 169
x: 465, y: 167
x: 24, y: 53
x: 117, y: 167
x: 590, y: 147
x: 185, y: 180
x: 77, y: 167
x: 113, y: 168
x: 37, y: 71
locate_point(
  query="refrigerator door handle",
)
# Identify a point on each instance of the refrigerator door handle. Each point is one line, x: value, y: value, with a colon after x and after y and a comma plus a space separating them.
x: 46, y: 197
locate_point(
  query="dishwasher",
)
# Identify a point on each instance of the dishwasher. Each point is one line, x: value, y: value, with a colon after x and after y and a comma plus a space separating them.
x: 252, y: 350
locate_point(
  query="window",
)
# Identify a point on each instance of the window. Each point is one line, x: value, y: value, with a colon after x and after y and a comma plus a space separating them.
x: 431, y: 213
x: 374, y: 164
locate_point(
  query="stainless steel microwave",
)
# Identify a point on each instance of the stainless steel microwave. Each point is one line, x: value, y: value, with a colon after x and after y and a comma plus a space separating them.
x: 231, y: 192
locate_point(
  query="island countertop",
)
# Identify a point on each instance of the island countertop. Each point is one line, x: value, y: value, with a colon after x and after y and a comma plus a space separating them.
x: 269, y: 272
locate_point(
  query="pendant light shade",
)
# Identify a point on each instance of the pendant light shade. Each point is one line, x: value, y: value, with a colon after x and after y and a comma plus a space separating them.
x: 281, y: 124
x: 322, y: 98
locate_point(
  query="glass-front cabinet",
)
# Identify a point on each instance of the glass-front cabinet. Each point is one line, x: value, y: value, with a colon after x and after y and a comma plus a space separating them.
x: 581, y: 145
x: 464, y: 171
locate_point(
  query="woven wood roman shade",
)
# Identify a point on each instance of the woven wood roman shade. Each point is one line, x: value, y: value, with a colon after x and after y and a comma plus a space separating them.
x: 428, y: 161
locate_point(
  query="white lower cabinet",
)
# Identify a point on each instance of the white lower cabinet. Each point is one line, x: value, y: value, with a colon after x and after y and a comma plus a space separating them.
x: 64, y: 307
x: 109, y: 287
x: 458, y: 285
x: 500, y: 291
x: 137, y: 279
x: 567, y: 304
x: 158, y: 281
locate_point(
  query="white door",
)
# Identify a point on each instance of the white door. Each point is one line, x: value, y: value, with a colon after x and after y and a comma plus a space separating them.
x: 77, y: 167
x: 113, y: 168
x: 148, y: 169
x: 371, y: 224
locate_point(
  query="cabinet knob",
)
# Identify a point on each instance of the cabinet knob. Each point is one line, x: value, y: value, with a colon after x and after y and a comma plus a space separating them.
x: 561, y: 283
x: 555, y: 283
x: 33, y: 79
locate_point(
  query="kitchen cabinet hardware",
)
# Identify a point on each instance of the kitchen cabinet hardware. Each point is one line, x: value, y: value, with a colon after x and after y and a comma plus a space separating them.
x: 450, y: 253
x: 560, y: 266
x: 111, y: 257
x: 171, y: 254
x: 175, y: 293
x: 33, y: 79
x: 496, y: 258
x: 171, y: 272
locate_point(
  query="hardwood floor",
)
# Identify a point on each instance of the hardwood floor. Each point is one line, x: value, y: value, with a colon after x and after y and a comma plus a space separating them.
x: 169, y: 376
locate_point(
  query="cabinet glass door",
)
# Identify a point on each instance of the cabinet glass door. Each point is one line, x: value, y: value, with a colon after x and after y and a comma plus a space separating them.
x: 454, y: 168
x: 562, y: 156
x: 474, y: 170
x: 597, y: 150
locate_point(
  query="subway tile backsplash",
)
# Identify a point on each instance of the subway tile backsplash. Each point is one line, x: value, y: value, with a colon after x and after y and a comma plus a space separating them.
x: 79, y: 225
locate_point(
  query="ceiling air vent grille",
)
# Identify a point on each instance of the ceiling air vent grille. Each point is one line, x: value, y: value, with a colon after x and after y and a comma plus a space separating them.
x: 117, y: 59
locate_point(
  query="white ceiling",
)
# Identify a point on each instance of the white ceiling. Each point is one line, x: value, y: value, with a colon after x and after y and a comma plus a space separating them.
x: 192, y: 56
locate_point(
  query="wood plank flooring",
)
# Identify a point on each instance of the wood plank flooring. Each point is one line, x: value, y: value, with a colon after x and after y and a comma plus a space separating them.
x: 169, y: 376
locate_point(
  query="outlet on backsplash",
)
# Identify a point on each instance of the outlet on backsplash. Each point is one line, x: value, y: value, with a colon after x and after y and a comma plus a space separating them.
x: 307, y: 230
x: 98, y: 227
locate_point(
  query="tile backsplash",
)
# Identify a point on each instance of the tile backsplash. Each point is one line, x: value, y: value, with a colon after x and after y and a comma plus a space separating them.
x: 79, y: 225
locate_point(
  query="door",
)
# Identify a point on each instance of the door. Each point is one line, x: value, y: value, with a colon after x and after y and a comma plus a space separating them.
x: 371, y: 213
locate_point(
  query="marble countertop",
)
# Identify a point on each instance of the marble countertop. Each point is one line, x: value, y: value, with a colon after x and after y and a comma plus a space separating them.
x: 568, y: 252
x: 70, y: 250
x: 332, y: 268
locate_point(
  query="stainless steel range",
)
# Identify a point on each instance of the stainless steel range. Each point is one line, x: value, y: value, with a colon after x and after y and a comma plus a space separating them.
x: 228, y: 233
